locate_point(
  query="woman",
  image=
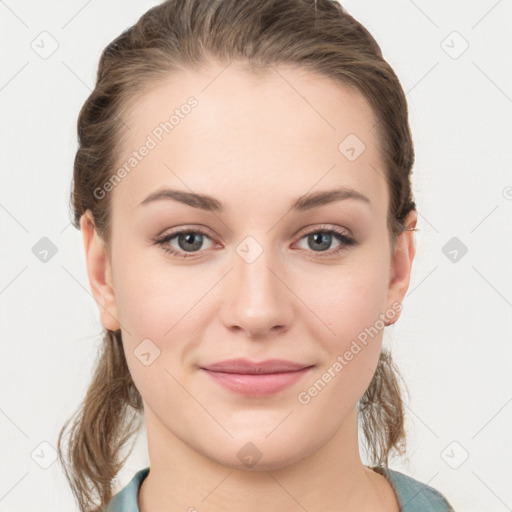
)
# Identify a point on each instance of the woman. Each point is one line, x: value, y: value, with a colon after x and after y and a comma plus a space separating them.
x: 242, y: 183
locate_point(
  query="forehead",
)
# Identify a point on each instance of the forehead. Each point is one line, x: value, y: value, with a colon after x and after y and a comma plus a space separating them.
x: 283, y: 131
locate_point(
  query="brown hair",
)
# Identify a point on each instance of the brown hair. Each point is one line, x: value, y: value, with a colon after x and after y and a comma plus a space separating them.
x: 184, y: 34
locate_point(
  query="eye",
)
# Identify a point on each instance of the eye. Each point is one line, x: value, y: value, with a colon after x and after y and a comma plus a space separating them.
x: 188, y: 240
x: 321, y: 238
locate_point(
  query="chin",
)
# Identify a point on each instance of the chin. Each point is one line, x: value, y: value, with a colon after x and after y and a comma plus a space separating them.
x: 260, y: 453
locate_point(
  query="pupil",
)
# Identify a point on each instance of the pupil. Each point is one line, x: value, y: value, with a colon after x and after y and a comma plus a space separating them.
x: 191, y: 239
x: 322, y: 238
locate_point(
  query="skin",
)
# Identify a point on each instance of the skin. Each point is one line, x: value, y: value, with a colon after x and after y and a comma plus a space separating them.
x: 255, y: 144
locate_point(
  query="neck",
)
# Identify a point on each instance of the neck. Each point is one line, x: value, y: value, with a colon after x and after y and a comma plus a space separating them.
x: 331, y: 477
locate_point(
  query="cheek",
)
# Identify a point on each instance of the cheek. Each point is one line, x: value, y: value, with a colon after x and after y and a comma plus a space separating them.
x: 163, y: 301
x: 164, y: 311
x: 350, y: 346
x: 160, y: 319
x: 152, y: 294
x: 156, y: 299
x: 349, y: 300
x: 353, y: 309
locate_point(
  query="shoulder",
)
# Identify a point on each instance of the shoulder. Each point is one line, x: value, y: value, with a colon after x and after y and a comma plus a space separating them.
x: 413, y: 495
x: 126, y: 500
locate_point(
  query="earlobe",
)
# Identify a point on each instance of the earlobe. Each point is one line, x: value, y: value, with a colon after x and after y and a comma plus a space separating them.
x: 99, y: 272
x: 401, y: 265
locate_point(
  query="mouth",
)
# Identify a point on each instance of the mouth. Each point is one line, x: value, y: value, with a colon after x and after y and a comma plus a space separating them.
x: 256, y: 379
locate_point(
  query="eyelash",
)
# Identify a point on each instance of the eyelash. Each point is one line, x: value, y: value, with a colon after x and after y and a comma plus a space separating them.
x: 343, y: 238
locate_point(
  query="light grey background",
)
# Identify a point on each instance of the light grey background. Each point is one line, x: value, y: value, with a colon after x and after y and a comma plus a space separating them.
x: 453, y: 342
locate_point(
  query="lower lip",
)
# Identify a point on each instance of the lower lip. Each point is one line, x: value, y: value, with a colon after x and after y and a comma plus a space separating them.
x: 257, y: 385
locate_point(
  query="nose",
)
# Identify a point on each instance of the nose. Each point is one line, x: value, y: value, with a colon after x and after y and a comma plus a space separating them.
x: 258, y: 301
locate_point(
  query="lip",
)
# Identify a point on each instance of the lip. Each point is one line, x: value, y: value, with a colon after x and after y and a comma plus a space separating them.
x: 256, y: 378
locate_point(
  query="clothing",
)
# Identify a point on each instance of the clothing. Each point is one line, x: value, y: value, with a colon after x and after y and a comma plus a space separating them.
x: 412, y: 495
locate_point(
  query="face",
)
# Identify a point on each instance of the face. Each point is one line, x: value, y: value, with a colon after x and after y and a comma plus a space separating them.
x: 263, y: 265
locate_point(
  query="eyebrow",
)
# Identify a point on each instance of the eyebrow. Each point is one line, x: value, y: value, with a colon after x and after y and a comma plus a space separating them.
x: 210, y: 204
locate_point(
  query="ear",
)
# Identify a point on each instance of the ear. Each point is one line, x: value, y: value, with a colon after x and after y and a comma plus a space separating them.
x: 99, y: 272
x: 401, y: 264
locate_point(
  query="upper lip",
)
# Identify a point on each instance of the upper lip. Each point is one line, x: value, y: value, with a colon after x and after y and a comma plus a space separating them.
x: 246, y: 366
